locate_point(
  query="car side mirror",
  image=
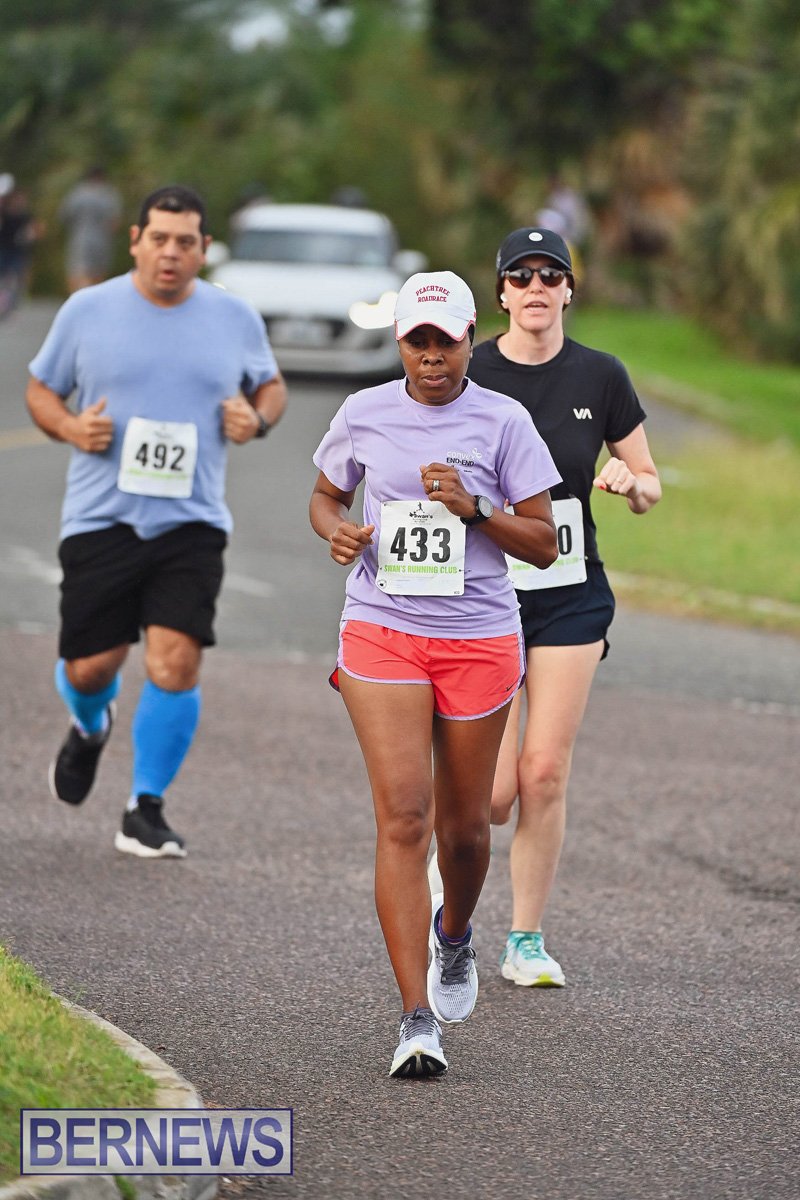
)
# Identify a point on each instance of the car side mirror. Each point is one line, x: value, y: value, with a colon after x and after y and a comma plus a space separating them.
x: 217, y: 255
x: 408, y: 262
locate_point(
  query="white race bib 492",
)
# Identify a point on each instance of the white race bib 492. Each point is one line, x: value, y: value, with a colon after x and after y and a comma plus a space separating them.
x: 158, y: 458
x: 570, y: 566
x: 421, y: 549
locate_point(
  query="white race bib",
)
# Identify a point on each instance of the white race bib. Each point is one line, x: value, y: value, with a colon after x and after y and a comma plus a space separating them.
x: 421, y: 549
x: 158, y: 458
x: 570, y: 566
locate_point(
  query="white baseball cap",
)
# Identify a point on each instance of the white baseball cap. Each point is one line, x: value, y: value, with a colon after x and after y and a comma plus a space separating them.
x: 437, y: 298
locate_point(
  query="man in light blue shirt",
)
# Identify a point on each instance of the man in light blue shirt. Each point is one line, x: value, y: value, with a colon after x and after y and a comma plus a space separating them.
x: 165, y: 370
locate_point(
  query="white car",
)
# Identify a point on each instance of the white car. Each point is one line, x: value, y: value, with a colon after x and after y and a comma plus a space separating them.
x: 324, y: 279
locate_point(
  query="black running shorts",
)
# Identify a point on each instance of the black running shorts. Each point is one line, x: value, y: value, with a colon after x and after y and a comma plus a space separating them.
x: 575, y: 615
x: 115, y: 584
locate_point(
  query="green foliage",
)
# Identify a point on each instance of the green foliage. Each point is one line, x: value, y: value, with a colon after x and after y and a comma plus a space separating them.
x: 679, y: 119
x: 556, y: 76
x: 132, y: 14
x: 743, y: 245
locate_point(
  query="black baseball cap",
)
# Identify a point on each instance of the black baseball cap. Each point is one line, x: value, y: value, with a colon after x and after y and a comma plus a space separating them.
x: 533, y: 240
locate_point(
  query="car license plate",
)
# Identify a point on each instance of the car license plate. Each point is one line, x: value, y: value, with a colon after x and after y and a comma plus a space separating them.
x: 295, y: 332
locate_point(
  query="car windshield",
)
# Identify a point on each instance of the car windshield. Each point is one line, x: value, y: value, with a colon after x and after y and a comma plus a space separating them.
x: 327, y: 247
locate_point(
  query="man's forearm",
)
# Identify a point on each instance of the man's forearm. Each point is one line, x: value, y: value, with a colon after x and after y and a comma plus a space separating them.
x: 49, y: 411
x: 270, y: 400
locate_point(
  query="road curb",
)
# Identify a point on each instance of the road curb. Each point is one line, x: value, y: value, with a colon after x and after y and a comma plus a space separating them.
x: 173, y: 1091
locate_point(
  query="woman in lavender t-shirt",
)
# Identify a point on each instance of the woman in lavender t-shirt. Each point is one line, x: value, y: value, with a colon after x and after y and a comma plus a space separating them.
x: 430, y: 651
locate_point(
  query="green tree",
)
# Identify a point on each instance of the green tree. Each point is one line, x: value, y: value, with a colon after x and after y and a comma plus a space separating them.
x: 69, y: 95
x: 743, y: 247
x: 559, y: 77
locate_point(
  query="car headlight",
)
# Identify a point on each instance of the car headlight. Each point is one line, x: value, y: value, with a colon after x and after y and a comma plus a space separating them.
x: 379, y: 315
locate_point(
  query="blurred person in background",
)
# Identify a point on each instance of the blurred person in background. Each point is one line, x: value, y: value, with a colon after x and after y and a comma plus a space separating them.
x: 91, y: 213
x: 349, y: 196
x: 19, y: 233
x: 167, y: 370
x: 566, y: 212
x: 569, y: 210
x: 580, y: 400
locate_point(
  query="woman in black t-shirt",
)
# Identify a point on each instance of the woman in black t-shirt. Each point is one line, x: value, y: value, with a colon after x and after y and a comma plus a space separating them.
x: 579, y: 399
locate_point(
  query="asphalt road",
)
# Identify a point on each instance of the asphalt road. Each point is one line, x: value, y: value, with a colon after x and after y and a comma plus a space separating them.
x: 668, y: 1066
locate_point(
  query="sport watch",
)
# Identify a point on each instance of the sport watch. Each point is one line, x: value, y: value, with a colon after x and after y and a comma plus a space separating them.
x: 483, y: 510
x: 263, y: 426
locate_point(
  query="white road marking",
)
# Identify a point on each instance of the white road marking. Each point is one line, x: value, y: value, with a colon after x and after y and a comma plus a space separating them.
x: 13, y: 439
x: 22, y: 562
x: 247, y: 585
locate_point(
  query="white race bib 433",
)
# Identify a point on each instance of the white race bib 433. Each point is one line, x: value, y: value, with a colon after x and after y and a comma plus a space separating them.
x: 421, y: 549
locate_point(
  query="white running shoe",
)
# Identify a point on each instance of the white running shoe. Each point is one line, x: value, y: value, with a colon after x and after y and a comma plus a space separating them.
x: 452, y: 975
x: 526, y: 962
x: 419, y: 1052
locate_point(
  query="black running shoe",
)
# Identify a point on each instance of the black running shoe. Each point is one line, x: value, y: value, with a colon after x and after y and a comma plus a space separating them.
x: 146, y: 833
x: 71, y: 774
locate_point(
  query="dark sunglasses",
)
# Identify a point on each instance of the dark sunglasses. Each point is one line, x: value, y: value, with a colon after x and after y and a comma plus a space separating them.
x: 520, y: 277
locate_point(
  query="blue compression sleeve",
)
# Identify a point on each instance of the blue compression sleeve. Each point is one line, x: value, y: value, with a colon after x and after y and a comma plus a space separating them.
x: 164, y: 725
x: 87, y: 707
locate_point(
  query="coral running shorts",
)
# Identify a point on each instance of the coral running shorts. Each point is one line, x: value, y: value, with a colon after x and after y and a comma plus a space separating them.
x: 470, y: 677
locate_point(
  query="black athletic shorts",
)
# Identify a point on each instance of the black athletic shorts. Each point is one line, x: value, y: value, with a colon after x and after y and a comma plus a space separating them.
x: 115, y: 584
x: 575, y: 615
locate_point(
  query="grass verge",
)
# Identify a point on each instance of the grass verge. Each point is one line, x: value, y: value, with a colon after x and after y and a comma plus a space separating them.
x: 51, y: 1059
x: 676, y: 360
x: 722, y: 542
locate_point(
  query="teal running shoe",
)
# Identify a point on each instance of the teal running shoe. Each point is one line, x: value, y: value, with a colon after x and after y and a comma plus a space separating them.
x: 526, y: 962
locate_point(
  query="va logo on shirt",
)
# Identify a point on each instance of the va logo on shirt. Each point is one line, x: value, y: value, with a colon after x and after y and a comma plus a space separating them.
x: 583, y: 413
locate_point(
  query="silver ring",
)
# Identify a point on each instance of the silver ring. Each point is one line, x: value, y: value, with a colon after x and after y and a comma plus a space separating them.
x: 435, y: 486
